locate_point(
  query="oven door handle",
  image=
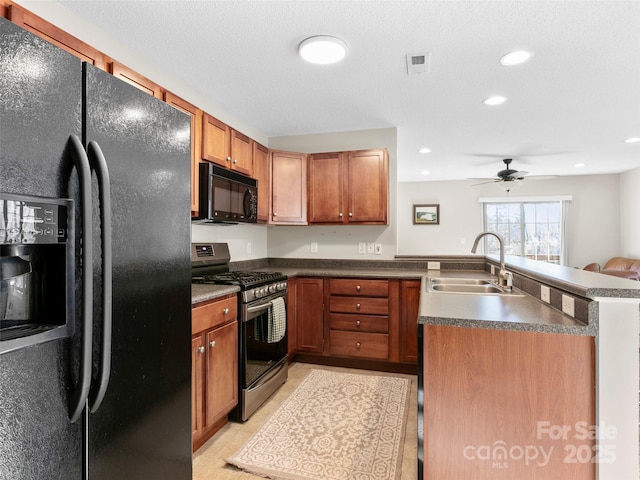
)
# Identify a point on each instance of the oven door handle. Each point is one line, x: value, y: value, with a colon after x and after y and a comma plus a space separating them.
x: 257, y: 308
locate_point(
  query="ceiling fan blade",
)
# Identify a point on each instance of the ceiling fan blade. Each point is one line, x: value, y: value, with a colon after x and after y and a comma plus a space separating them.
x: 484, y: 183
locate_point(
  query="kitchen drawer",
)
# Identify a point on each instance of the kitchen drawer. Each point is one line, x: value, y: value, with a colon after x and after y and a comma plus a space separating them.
x: 358, y: 286
x: 359, y: 323
x: 362, y: 345
x: 361, y: 305
x: 214, y: 313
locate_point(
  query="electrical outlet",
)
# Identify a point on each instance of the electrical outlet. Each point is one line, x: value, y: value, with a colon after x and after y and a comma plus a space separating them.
x: 433, y: 265
x: 545, y: 293
x: 568, y: 305
x: 493, y: 269
x: 369, y: 247
x: 248, y: 247
x: 377, y: 249
x: 314, y: 247
x: 362, y: 247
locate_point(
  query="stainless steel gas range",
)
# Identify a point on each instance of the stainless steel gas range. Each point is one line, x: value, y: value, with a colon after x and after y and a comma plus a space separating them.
x: 262, y: 332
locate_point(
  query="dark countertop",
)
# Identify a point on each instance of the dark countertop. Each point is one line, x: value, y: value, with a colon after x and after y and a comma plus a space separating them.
x: 502, y: 312
x: 202, y: 293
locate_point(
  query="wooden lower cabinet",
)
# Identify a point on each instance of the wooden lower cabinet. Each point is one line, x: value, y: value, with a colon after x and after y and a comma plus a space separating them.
x: 409, y: 305
x: 310, y: 314
x: 214, y: 356
x: 496, y: 404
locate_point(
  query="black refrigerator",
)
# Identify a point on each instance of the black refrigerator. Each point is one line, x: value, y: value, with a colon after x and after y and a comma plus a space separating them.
x: 95, y: 325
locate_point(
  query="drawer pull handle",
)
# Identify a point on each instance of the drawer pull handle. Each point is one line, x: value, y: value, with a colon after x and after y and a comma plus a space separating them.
x: 358, y: 306
x: 225, y: 311
x: 358, y: 345
x: 200, y: 349
x: 212, y: 343
x: 357, y: 323
x: 357, y: 288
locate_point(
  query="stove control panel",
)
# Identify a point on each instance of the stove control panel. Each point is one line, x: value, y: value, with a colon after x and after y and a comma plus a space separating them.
x: 265, y: 290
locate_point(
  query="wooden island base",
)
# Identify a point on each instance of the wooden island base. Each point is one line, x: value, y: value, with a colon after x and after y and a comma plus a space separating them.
x: 503, y: 404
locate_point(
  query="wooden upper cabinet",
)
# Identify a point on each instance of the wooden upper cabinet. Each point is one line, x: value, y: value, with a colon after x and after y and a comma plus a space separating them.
x: 226, y: 147
x: 262, y: 173
x: 216, y: 141
x: 196, y: 142
x: 241, y: 153
x: 367, y: 184
x: 288, y: 188
x: 349, y: 187
x: 54, y: 35
x: 325, y: 188
x: 124, y: 73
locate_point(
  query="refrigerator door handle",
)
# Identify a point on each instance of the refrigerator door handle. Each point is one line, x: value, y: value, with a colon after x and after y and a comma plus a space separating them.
x: 81, y: 391
x: 99, y: 164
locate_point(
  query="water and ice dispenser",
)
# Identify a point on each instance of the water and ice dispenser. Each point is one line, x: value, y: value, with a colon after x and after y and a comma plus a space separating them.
x: 36, y: 270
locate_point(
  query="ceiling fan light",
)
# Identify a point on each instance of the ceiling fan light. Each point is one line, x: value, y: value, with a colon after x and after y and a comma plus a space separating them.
x: 322, y: 49
x: 496, y: 100
x: 515, y: 58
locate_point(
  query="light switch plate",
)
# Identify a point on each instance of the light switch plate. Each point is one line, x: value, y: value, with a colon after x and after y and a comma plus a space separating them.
x: 433, y: 265
x: 568, y: 305
x: 362, y: 247
x: 545, y: 293
x: 493, y: 269
x: 314, y: 247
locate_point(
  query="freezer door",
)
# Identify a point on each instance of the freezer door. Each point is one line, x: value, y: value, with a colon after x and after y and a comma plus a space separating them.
x: 142, y: 430
x: 40, y: 107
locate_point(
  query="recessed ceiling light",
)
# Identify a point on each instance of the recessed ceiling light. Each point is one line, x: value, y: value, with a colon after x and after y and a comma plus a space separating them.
x: 515, y: 58
x: 497, y: 100
x: 580, y: 165
x: 424, y: 150
x: 632, y: 140
x: 322, y: 49
x: 425, y: 172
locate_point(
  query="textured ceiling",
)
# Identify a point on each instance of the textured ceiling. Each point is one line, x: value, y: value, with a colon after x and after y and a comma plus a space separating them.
x: 576, y: 100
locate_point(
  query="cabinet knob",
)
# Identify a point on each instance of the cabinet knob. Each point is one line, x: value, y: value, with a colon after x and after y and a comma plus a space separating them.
x: 212, y: 343
x: 228, y: 159
x: 350, y: 214
x: 275, y: 214
x: 358, y: 306
x: 200, y: 349
x: 358, y: 345
x: 357, y: 288
x: 225, y: 311
x: 340, y: 215
x: 235, y: 161
x: 357, y: 323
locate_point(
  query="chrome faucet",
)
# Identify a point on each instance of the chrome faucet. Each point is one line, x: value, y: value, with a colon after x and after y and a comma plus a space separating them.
x: 505, y: 279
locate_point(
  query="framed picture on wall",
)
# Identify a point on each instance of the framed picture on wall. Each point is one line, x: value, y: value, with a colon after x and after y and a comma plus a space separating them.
x: 426, y: 214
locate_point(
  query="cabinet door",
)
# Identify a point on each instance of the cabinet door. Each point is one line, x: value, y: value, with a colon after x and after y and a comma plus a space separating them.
x: 53, y: 34
x: 368, y: 186
x: 196, y: 145
x: 197, y: 385
x: 292, y: 324
x: 409, y: 304
x: 133, y: 78
x: 241, y: 153
x: 289, y: 187
x: 222, y: 371
x: 310, y: 315
x: 216, y: 141
x: 262, y: 173
x: 325, y: 185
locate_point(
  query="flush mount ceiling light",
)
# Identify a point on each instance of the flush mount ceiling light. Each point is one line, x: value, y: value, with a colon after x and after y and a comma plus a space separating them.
x: 424, y: 150
x: 322, y: 49
x: 425, y: 172
x: 515, y: 58
x: 580, y: 165
x: 632, y: 140
x: 497, y: 100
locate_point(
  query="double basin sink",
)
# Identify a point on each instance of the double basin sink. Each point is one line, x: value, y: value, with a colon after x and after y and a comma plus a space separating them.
x: 478, y: 286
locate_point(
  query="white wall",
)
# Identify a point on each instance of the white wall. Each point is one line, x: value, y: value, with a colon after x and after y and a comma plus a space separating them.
x: 593, y: 219
x: 629, y: 213
x: 338, y: 241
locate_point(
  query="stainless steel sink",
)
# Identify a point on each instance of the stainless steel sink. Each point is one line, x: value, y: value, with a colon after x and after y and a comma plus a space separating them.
x: 473, y: 286
x: 460, y: 281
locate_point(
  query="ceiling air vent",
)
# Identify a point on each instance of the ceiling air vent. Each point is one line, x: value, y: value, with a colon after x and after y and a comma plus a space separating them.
x: 418, y: 63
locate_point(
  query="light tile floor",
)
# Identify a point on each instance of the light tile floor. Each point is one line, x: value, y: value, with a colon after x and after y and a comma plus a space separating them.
x: 208, y: 461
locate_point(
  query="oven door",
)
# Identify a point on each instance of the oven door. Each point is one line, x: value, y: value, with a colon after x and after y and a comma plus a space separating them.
x: 263, y: 337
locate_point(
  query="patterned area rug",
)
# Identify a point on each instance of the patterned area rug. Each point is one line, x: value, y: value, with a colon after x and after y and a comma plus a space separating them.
x: 334, y: 426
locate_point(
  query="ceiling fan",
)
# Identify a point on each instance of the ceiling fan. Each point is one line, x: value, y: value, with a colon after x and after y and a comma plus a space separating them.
x: 506, y: 175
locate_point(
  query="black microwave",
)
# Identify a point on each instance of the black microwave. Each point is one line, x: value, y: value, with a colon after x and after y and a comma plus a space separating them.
x: 226, y: 196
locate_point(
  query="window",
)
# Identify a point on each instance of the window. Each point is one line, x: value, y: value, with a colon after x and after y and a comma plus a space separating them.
x: 531, y: 228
